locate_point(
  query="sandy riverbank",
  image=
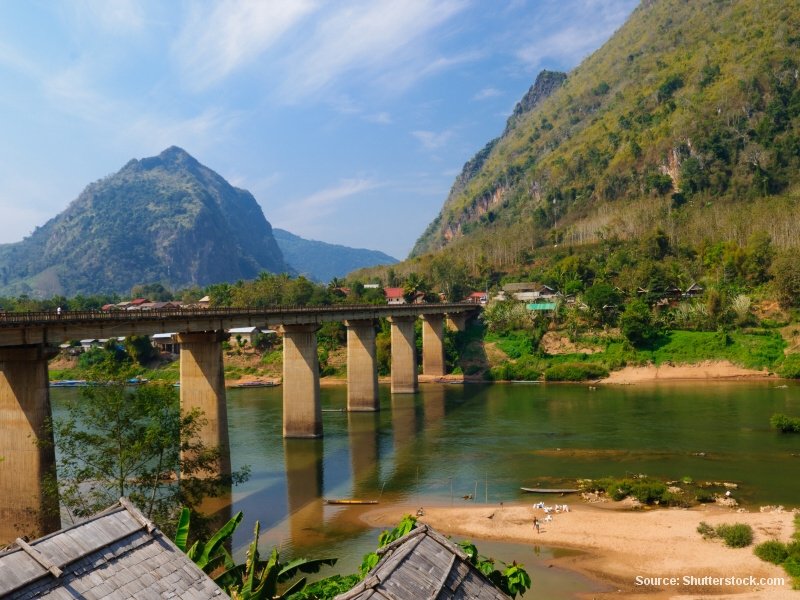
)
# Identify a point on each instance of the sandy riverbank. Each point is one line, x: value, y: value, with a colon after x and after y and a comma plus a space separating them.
x: 622, y: 544
x: 707, y: 370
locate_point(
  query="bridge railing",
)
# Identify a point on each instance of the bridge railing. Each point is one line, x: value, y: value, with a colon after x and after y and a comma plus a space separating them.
x: 45, y: 317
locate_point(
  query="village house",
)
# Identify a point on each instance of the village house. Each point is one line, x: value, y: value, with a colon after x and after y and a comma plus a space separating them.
x: 477, y: 298
x: 530, y: 291
x: 694, y: 291
x: 118, y: 553
x: 421, y: 565
x: 394, y: 295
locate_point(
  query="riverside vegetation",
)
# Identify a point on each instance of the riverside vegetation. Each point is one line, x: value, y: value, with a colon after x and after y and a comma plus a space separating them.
x: 271, y: 579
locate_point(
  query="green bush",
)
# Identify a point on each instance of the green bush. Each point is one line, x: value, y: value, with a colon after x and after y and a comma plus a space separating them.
x: 706, y: 530
x: 772, y: 551
x: 737, y: 535
x: 793, y: 548
x: 702, y: 495
x: 790, y: 368
x: 785, y: 423
x: 792, y: 567
x: 648, y: 491
x: 575, y: 372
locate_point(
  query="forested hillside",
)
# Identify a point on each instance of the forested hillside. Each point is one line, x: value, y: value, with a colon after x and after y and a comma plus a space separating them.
x: 687, y: 120
x: 164, y: 219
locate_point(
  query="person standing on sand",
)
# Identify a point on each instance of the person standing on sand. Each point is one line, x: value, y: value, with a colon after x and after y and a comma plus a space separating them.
x: 536, y: 524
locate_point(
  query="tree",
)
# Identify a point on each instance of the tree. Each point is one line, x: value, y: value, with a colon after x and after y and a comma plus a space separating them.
x: 117, y: 442
x: 598, y: 296
x: 786, y: 270
x: 636, y: 323
x: 760, y: 255
x: 413, y: 285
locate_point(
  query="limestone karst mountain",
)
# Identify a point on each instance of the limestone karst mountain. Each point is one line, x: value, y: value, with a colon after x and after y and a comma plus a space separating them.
x: 161, y: 219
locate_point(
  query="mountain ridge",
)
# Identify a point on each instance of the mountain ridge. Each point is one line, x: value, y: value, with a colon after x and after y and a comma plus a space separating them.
x: 687, y: 119
x: 164, y: 219
x: 322, y: 261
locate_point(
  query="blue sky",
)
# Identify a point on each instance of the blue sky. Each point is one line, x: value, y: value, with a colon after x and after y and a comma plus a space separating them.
x: 348, y: 120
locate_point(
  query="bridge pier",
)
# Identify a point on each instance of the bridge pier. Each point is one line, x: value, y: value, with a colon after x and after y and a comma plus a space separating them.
x: 203, y: 387
x: 433, y: 362
x: 362, y: 370
x: 302, y: 413
x: 404, y: 356
x: 457, y: 321
x: 25, y: 509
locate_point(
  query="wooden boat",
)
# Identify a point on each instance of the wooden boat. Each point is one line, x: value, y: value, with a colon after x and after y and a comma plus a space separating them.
x: 549, y: 491
x: 254, y: 384
x: 350, y: 501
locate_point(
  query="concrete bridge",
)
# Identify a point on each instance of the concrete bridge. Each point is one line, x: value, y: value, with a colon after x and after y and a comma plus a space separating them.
x: 26, y: 345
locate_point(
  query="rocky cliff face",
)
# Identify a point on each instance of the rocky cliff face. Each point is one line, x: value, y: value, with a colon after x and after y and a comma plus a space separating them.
x: 165, y: 219
x: 546, y: 83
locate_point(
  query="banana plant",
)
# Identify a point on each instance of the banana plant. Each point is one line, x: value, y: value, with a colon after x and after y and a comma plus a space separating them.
x: 254, y: 580
x: 259, y: 580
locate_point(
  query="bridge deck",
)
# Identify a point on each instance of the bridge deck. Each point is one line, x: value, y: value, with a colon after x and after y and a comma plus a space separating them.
x: 48, y: 327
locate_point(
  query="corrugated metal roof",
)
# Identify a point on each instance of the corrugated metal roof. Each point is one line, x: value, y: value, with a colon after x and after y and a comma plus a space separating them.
x: 116, y: 554
x: 423, y: 565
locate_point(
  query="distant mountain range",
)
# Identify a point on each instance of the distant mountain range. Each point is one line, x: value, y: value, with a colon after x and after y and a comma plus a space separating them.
x: 322, y: 262
x: 165, y: 219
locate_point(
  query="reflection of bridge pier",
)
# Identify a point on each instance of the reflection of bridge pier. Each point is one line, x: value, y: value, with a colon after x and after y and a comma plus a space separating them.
x: 434, y: 400
x: 304, y: 482
x: 404, y: 420
x: 26, y: 444
x: 363, y: 433
x: 25, y: 341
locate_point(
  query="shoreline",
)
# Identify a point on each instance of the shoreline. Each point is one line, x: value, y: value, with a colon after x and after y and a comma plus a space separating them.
x: 618, y: 545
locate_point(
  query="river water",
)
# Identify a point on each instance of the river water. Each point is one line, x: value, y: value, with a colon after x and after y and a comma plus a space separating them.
x: 488, y: 440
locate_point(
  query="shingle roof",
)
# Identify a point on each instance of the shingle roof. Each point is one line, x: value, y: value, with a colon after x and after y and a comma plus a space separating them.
x: 117, y: 554
x: 423, y: 565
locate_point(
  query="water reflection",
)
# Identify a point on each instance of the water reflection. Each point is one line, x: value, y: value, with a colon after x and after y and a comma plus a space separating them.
x: 304, y: 487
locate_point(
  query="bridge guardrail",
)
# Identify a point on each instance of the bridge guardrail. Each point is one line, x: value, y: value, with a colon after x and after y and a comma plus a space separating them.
x: 48, y: 317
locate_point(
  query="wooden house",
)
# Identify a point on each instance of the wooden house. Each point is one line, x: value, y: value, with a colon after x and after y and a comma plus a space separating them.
x: 694, y: 291
x: 423, y: 565
x: 118, y: 553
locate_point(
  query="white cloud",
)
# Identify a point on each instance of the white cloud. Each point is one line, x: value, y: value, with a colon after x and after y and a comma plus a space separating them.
x: 304, y: 214
x: 382, y: 117
x: 572, y: 40
x: 377, y: 36
x: 217, y: 42
x: 113, y: 16
x: 432, y: 140
x: 487, y: 93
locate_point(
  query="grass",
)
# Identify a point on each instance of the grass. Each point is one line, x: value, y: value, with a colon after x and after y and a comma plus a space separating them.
x: 755, y: 350
x: 784, y: 423
x: 786, y: 555
x: 736, y: 535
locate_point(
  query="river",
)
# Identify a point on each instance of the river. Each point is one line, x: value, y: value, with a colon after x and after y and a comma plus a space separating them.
x: 487, y: 440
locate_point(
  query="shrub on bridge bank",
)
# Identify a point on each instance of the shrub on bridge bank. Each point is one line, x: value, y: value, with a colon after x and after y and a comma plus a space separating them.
x: 575, y: 371
x: 790, y: 368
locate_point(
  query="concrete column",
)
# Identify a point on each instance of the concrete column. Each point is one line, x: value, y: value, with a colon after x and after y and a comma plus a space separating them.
x: 433, y: 345
x: 302, y: 413
x: 362, y: 369
x: 25, y: 509
x: 404, y: 355
x: 457, y: 321
x: 203, y: 387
